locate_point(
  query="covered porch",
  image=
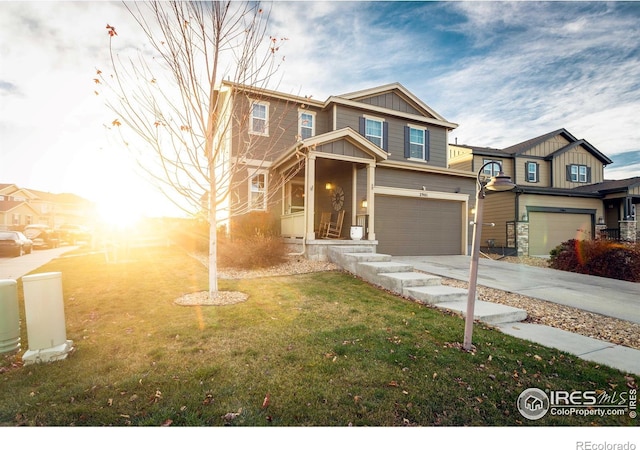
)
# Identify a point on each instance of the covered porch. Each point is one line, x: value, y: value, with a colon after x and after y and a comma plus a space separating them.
x: 337, y: 182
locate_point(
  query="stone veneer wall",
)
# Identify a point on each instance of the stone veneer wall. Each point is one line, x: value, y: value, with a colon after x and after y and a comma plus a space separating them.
x: 628, y: 231
x: 522, y: 238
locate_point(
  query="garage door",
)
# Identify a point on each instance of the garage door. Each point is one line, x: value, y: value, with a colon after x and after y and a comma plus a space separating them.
x: 407, y: 226
x: 547, y: 230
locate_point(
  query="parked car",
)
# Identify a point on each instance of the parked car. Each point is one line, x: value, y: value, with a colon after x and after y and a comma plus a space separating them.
x: 72, y: 234
x: 15, y: 243
x: 42, y: 236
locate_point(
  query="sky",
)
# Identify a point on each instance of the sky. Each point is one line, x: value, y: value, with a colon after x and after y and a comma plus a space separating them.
x: 504, y: 72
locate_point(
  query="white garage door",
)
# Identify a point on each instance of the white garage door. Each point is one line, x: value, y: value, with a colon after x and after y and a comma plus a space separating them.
x: 548, y: 230
x: 408, y: 226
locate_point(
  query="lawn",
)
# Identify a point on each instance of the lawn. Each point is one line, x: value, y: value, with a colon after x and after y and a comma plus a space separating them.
x: 322, y: 349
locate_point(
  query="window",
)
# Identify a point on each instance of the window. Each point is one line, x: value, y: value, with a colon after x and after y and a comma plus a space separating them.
x: 259, y: 118
x: 375, y: 130
x: 532, y: 171
x: 307, y: 124
x: 257, y: 192
x: 491, y: 170
x: 578, y: 173
x: 416, y: 143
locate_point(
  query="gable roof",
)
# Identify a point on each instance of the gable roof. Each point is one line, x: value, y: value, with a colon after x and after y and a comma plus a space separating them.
x: 427, y: 115
x: 522, y: 147
x: 9, y: 205
x: 398, y: 89
x: 347, y: 134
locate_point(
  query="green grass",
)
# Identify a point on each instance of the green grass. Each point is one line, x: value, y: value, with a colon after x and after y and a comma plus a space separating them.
x: 328, y: 350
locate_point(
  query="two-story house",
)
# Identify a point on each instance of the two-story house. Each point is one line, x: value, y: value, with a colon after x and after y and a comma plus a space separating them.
x: 378, y: 156
x: 561, y: 193
x: 20, y: 207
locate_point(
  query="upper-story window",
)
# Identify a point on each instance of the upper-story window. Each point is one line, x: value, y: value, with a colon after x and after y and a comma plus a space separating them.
x: 491, y: 170
x: 306, y: 124
x: 259, y: 123
x: 532, y: 171
x: 376, y: 130
x: 258, y: 192
x: 578, y: 173
x: 416, y: 142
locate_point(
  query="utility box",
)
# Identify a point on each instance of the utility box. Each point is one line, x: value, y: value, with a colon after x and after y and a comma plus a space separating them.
x: 44, y: 312
x: 9, y: 317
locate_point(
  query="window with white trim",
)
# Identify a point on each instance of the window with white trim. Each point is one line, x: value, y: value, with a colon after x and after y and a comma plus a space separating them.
x: 306, y: 124
x: 373, y: 130
x: 259, y: 122
x: 578, y: 173
x: 532, y: 172
x: 258, y: 192
x: 491, y: 170
x: 416, y: 143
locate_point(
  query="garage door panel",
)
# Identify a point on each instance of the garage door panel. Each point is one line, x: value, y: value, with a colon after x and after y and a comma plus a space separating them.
x: 548, y: 230
x: 408, y: 226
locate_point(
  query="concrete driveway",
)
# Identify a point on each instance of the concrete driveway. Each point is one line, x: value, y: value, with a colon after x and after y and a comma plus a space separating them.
x: 605, y: 296
x: 15, y: 267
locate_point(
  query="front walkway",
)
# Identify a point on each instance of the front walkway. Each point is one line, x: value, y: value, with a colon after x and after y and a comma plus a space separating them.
x: 605, y: 296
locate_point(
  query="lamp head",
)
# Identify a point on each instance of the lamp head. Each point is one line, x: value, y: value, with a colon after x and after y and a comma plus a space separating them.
x: 500, y: 182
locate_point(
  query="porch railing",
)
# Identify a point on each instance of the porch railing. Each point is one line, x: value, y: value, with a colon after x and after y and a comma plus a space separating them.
x: 610, y: 234
x: 292, y: 225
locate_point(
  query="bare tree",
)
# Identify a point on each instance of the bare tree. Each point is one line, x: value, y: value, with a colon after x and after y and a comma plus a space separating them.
x: 171, y: 111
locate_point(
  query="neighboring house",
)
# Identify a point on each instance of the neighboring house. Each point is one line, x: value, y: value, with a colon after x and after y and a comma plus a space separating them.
x: 378, y: 154
x: 20, y: 207
x: 561, y: 193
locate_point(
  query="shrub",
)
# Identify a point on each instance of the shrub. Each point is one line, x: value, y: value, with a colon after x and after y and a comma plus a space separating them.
x: 254, y: 224
x: 601, y: 258
x: 251, y: 252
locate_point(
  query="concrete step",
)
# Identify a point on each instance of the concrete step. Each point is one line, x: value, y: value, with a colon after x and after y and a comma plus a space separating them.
x: 370, y: 271
x: 399, y: 282
x: 487, y: 312
x: 350, y: 261
x: 339, y: 249
x: 436, y: 294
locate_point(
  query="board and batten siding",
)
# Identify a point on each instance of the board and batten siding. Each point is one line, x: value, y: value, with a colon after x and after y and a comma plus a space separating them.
x: 350, y: 117
x: 390, y: 100
x: 576, y: 156
x: 546, y: 148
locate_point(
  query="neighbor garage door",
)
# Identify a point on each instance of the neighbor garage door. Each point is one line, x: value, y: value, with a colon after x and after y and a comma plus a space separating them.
x: 547, y: 230
x: 407, y: 226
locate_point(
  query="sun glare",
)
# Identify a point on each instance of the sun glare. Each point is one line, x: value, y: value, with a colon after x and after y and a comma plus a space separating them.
x: 119, y: 215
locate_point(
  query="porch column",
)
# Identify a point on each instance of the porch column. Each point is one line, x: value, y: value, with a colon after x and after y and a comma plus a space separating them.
x: 354, y: 193
x: 371, y: 181
x: 310, y: 201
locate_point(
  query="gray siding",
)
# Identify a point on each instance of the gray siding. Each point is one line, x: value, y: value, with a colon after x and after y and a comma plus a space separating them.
x: 350, y: 117
x: 390, y: 100
x: 431, y: 181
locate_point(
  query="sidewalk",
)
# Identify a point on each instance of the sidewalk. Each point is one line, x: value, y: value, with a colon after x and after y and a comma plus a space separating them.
x: 14, y: 268
x: 613, y: 298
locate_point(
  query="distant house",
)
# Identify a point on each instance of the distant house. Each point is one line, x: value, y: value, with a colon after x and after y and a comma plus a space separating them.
x: 561, y: 193
x: 378, y: 156
x: 20, y: 207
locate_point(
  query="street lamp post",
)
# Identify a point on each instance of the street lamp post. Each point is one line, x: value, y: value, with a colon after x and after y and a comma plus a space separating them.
x: 500, y: 182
